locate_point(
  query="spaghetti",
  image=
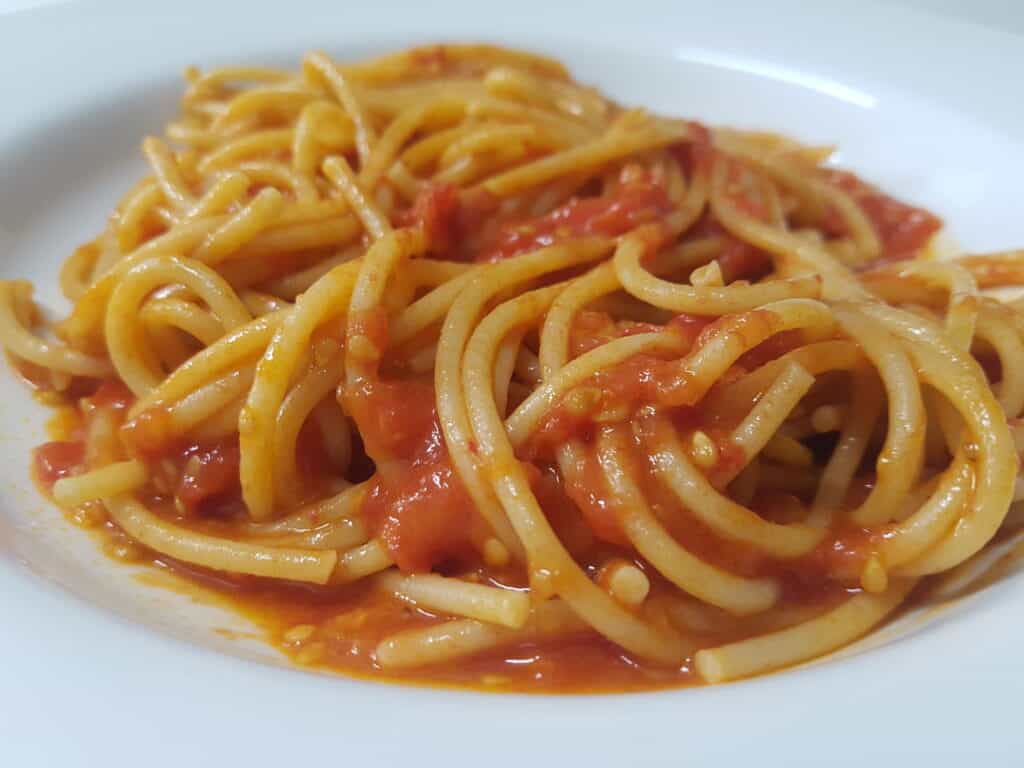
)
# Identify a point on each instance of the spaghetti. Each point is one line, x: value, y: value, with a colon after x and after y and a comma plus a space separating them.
x: 472, y: 375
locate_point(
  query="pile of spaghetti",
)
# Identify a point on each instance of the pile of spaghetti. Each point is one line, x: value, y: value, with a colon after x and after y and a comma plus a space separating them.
x: 495, y: 363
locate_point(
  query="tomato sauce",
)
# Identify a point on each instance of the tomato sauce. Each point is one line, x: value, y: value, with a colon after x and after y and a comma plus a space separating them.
x: 149, y: 434
x: 437, y: 212
x: 696, y: 154
x: 770, y: 349
x: 209, y: 472
x: 635, y: 203
x: 54, y: 460
x: 66, y: 455
x: 346, y: 625
x: 738, y: 259
x: 112, y: 394
x: 421, y: 512
x: 417, y: 506
x: 587, y: 488
x: 621, y: 389
x: 592, y: 329
x: 395, y: 417
x: 902, y: 228
x: 840, y: 557
x: 994, y: 271
x: 644, y: 379
x: 610, y: 394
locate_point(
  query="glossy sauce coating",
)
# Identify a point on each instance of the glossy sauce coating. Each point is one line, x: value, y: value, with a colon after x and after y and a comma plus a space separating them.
x: 337, y: 628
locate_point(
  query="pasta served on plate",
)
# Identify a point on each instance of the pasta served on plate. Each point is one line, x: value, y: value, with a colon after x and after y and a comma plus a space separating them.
x: 448, y: 368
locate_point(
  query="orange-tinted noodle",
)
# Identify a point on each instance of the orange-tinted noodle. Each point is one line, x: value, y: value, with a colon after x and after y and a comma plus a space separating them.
x: 444, y: 367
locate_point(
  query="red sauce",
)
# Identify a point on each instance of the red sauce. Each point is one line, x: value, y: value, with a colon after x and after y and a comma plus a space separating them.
x: 562, y: 513
x: 436, y: 211
x: 690, y: 327
x: 587, y: 488
x: 647, y: 379
x: 112, y: 394
x: 738, y: 259
x: 421, y: 511
x: 696, y: 154
x: 371, y: 323
x: 902, y: 228
x: 635, y: 381
x: 591, y: 329
x: 993, y: 271
x: 395, y: 417
x: 699, y: 540
x: 633, y: 204
x: 209, y: 472
x: 417, y: 505
x: 621, y: 389
x: 455, y: 221
x: 740, y: 196
x: 601, y: 512
x: 312, y: 457
x: 731, y: 457
x: 841, y: 555
x: 352, y: 620
x: 54, y: 460
x: 149, y: 434
x: 770, y: 349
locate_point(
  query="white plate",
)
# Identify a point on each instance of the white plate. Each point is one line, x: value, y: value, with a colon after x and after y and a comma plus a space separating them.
x: 90, y: 670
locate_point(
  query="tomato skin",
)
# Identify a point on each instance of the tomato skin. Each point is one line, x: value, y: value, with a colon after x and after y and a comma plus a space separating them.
x: 55, y: 460
x: 902, y: 228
